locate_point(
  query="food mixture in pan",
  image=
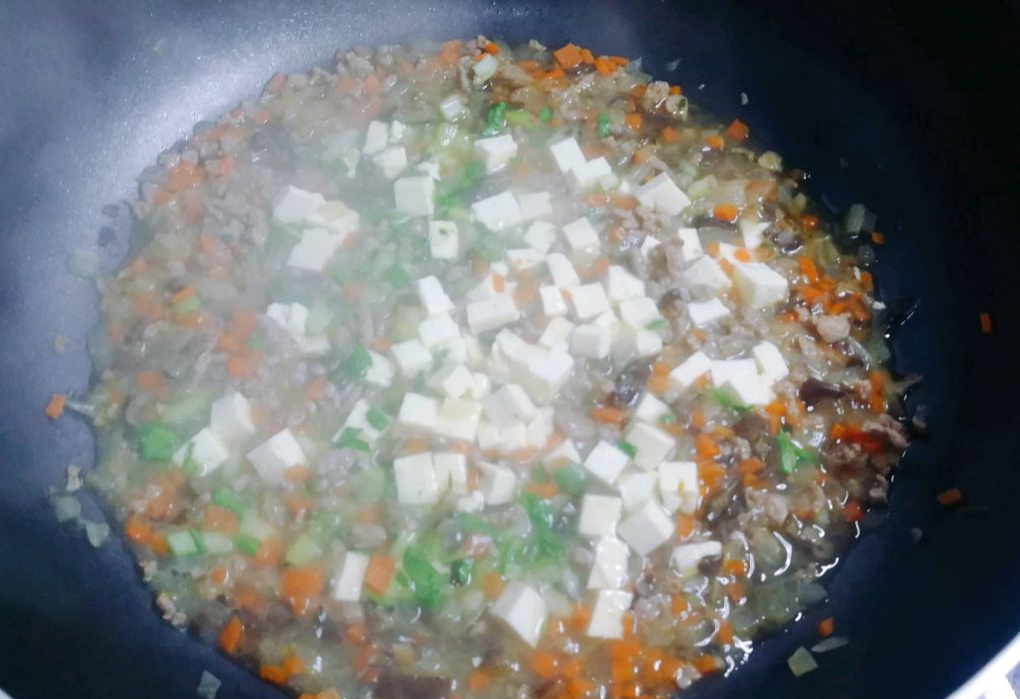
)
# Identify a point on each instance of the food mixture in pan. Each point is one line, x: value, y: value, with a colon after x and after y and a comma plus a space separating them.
x: 486, y: 371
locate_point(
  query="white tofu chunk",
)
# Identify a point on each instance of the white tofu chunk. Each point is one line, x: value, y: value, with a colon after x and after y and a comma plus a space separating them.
x: 547, y: 378
x: 728, y: 252
x: 377, y: 137
x: 453, y: 107
x: 687, y: 372
x: 609, y: 567
x: 294, y: 205
x: 495, y: 151
x: 415, y: 196
x: 607, y: 616
x: 231, y: 418
x: 522, y: 609
x: 725, y: 369
x: 416, y: 479
x: 770, y: 361
x: 292, y: 317
x: 472, y: 502
x: 391, y: 162
x: 567, y: 155
x: 419, y: 411
x: 661, y: 194
x: 411, y: 356
x: 429, y: 168
x: 497, y: 483
x: 541, y: 428
x: 704, y: 313
x: 484, y: 68
x: 648, y: 244
x: 557, y: 333
x: 335, y: 217
x: 453, y: 379
x: 540, y: 235
x: 357, y: 419
x: 276, y: 455
x: 706, y: 277
x: 562, y: 270
x: 589, y: 300
x: 204, y: 452
x: 590, y: 173
x: 534, y: 205
x: 563, y: 453
x: 593, y: 340
x: 489, y: 437
x: 486, y: 289
x: 752, y: 232
x: 605, y: 462
x: 523, y: 259
x: 759, y: 285
x: 653, y: 446
x: 679, y: 488
x: 451, y: 472
x: 621, y: 285
x: 599, y: 515
x: 438, y: 330
x: 686, y: 557
x: 499, y: 212
x: 508, y: 405
x: 553, y: 303
x: 433, y: 299
x: 636, y: 488
x: 458, y: 418
x: 381, y: 372
x: 444, y: 240
x: 481, y: 385
x: 347, y: 587
x: 690, y: 248
x: 490, y: 314
x: 652, y: 410
x: 749, y: 390
x: 647, y: 529
x: 397, y: 131
x: 513, y: 438
x: 582, y: 238
x: 639, y: 312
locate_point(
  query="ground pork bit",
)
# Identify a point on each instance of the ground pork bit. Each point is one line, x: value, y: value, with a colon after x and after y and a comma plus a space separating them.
x: 888, y: 428
x: 774, y: 506
x: 833, y: 329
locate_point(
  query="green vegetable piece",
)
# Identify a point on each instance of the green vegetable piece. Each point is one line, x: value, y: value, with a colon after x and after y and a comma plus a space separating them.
x: 158, y: 442
x: 571, y: 480
x: 325, y: 526
x: 182, y: 543
x: 397, y: 277
x: 187, y: 407
x: 350, y: 438
x: 541, y: 513
x: 245, y: 543
x: 257, y: 342
x: 357, y: 364
x: 475, y: 524
x: 545, y: 114
x: 215, y: 543
x: 461, y: 571
x: 603, y: 125
x: 303, y: 551
x: 627, y: 448
x: 791, y: 453
x: 229, y: 500
x: 655, y: 324
x: 187, y: 307
x: 519, y: 117
x: 377, y: 419
x: 422, y: 579
x: 667, y: 419
x: 722, y: 398
x: 495, y: 119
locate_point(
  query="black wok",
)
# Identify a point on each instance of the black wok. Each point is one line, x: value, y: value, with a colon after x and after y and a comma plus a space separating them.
x: 911, y: 110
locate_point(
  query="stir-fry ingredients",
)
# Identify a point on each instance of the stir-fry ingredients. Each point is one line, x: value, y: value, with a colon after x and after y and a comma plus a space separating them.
x: 479, y: 371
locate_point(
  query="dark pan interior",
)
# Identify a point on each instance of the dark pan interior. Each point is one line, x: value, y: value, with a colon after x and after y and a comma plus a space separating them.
x: 912, y: 110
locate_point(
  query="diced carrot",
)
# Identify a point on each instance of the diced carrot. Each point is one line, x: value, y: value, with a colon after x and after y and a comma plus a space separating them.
x: 292, y: 664
x: 948, y: 498
x: 867, y: 280
x: 268, y: 553
x: 838, y: 431
x: 715, y: 142
x: 243, y: 364
x: 604, y: 66
x: 669, y: 135
x: 218, y: 574
x: 493, y: 584
x: 546, y: 491
x: 554, y: 74
x: 878, y: 238
x: 415, y: 445
x: 491, y: 48
x: 479, y: 679
x: 219, y: 519
x: 300, y: 586
x: 568, y: 56
x: 262, y: 116
x: 274, y: 673
x: 150, y: 380
x: 315, y: 388
x: 725, y: 212
x: 450, y: 53
x: 626, y: 202
x: 698, y: 418
x: 498, y: 283
x: 529, y: 65
x: 658, y: 384
x: 297, y: 474
x: 608, y: 415
x: 725, y: 633
x: 633, y: 121
x: 355, y: 633
x: 230, y: 638
x: 986, y: 322
x: 580, y: 615
x: 55, y: 406
x: 544, y: 664
x: 742, y: 254
x: 734, y: 567
x: 371, y: 84
x: 826, y: 627
x: 737, y: 130
x: 736, y: 591
x: 706, y: 446
x: 808, y: 221
x: 162, y: 196
x: 136, y: 530
x: 675, y: 90
x: 159, y: 544
x: 706, y: 664
x: 685, y: 524
x: 380, y: 573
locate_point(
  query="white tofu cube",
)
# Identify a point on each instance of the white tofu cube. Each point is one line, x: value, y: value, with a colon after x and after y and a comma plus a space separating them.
x: 453, y: 107
x: 593, y: 340
x: 292, y: 317
x: 453, y: 379
x: 499, y: 212
x: 638, y: 313
x: 589, y: 300
x: 416, y: 479
x: 433, y: 299
x: 490, y: 314
x: 415, y: 196
x: 377, y: 137
x: 621, y: 285
x: 705, y: 313
x: 397, y: 131
x: 294, y: 205
x: 679, y: 488
x: 647, y: 529
x: 495, y: 151
x: 752, y: 232
x: 705, y: 277
x: 557, y: 333
x: 381, y: 372
x: 605, y: 462
x: 497, y: 483
x: 522, y: 609
x: 649, y: 244
x: 419, y: 411
x: 759, y: 285
x: 547, y: 378
x: 749, y: 390
x: 687, y: 372
x: 489, y: 437
x: 411, y: 356
x: 609, y: 568
x: 567, y: 155
x: 438, y: 330
x: 661, y: 194
x: 513, y: 438
x: 686, y: 557
x: 458, y: 418
x: 523, y: 259
x: 553, y: 303
x: 481, y: 385
x: 630, y: 342
x: 508, y: 405
x: 347, y: 587
x: 204, y: 452
x: 486, y: 289
x: 690, y: 248
x: 607, y: 616
x: 652, y: 410
x: 562, y: 270
x: 725, y: 369
x: 534, y: 205
x: 541, y: 235
x: 770, y: 361
x: 231, y: 418
x: 541, y: 428
x: 444, y: 240
x: 472, y: 502
x: 484, y: 68
x: 429, y: 168
x: 391, y: 162
x: 590, y: 173
x: 335, y: 217
x: 599, y: 515
x: 636, y: 488
x: 274, y: 456
x: 582, y: 238
x: 314, y: 250
x: 451, y: 472
x: 653, y: 446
